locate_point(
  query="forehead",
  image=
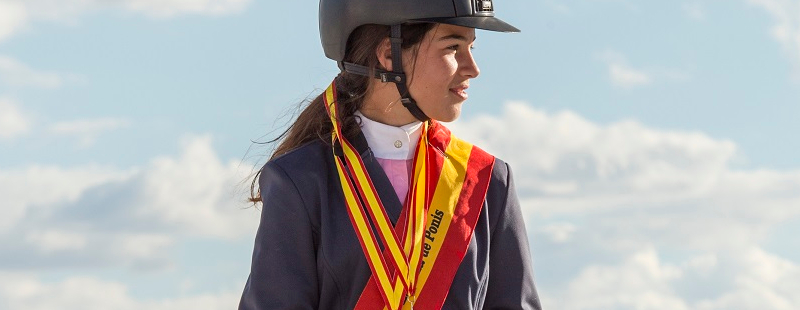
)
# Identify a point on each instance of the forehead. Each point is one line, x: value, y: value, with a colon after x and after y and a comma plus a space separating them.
x: 444, y: 32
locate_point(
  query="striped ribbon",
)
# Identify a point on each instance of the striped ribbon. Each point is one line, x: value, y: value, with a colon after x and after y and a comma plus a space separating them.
x: 360, y: 194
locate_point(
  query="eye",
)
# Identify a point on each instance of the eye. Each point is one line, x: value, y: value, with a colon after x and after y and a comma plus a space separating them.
x: 456, y: 47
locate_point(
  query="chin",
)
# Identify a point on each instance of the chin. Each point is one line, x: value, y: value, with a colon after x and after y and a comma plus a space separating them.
x: 446, y: 112
x: 447, y: 117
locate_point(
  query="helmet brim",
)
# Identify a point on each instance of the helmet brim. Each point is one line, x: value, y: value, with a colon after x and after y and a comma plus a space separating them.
x: 479, y: 22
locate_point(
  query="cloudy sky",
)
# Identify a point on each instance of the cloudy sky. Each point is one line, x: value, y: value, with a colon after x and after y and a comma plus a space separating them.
x: 654, y: 144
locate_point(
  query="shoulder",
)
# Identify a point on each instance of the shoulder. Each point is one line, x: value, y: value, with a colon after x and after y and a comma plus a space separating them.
x: 310, y: 153
x: 501, y: 172
x: 307, y: 160
x: 501, y: 182
x: 502, y: 202
x: 500, y: 179
x: 292, y: 182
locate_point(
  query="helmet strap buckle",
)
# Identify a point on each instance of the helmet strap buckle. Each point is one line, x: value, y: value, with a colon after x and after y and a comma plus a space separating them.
x: 392, y: 77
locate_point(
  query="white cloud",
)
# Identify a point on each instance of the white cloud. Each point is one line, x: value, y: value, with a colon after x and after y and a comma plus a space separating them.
x: 23, y: 190
x: 14, y: 73
x: 16, y: 14
x: 12, y: 121
x: 633, y: 217
x: 54, y: 241
x: 195, y: 192
x: 573, y: 166
x: 559, y: 232
x: 12, y: 18
x: 88, y: 126
x: 22, y: 291
x: 787, y: 25
x: 625, y: 76
x: 702, y: 264
x: 622, y: 74
x: 87, y: 130
x: 694, y: 10
x: 642, y: 281
x: 169, y: 8
x: 567, y: 156
x: 763, y: 281
x: 95, y: 216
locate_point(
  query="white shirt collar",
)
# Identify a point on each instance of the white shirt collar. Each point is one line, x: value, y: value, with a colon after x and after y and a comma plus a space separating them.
x: 390, y: 142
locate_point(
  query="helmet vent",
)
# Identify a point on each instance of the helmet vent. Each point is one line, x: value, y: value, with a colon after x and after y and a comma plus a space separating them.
x: 484, y: 6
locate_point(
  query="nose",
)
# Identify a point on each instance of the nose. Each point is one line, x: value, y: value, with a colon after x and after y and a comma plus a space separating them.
x: 469, y: 68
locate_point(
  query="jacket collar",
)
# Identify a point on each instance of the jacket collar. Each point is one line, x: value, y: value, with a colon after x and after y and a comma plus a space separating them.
x: 383, y: 186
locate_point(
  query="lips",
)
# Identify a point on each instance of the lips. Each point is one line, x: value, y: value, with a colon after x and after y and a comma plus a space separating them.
x: 460, y: 91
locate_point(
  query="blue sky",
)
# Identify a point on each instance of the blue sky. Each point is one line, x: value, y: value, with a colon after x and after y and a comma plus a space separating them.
x: 653, y: 143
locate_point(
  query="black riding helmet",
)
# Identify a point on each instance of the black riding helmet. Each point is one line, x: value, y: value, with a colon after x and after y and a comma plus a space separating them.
x: 338, y: 19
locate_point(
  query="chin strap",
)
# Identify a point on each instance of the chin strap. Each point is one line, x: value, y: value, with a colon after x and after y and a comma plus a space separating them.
x: 396, y: 76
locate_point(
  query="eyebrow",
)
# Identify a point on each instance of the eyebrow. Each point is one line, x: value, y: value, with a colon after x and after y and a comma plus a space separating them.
x: 455, y: 37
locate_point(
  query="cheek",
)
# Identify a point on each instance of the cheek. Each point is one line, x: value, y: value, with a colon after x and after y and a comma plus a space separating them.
x: 440, y: 72
x: 449, y: 66
x: 433, y: 76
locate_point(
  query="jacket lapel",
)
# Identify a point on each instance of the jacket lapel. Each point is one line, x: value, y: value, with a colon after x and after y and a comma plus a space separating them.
x: 388, y: 196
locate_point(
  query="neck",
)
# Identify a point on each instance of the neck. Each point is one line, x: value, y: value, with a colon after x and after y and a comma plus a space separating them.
x: 382, y: 104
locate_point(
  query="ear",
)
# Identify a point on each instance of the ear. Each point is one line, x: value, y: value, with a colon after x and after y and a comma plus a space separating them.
x: 384, y: 53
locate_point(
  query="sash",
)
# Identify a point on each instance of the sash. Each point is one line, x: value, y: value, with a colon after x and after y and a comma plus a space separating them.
x: 424, y: 249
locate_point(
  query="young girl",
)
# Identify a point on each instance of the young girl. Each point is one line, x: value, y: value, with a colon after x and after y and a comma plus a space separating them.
x: 368, y: 201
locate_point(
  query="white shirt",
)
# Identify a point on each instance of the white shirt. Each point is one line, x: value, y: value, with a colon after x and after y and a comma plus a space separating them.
x: 390, y: 142
x: 394, y: 149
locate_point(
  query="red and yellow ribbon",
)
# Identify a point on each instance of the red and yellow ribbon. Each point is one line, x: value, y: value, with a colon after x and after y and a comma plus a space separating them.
x: 450, y: 175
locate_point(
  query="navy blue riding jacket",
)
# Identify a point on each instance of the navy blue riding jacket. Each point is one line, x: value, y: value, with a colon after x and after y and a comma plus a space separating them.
x: 307, y: 255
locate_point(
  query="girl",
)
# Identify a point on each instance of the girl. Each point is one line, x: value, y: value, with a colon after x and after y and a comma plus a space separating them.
x: 371, y: 204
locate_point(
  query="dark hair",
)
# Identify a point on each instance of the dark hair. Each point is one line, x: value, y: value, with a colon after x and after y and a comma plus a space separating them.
x: 313, y: 123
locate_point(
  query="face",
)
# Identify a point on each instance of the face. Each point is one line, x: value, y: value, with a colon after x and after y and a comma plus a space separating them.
x: 444, y: 65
